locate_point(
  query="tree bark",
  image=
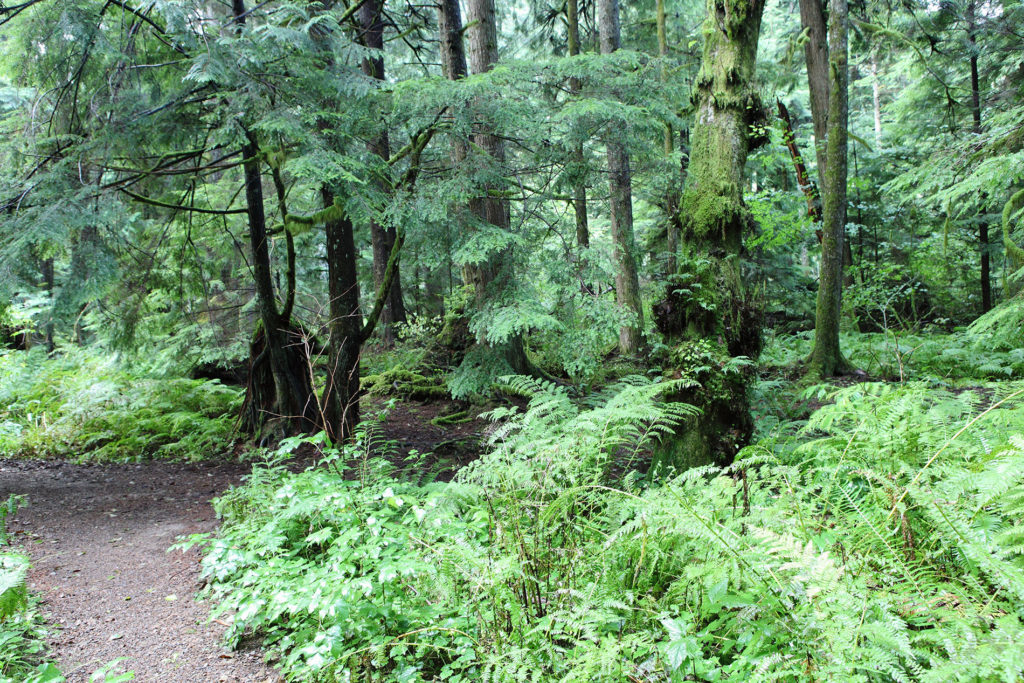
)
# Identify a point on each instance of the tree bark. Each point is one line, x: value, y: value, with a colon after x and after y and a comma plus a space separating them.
x: 483, y: 55
x: 627, y: 283
x: 673, y: 227
x: 579, y: 192
x: 277, y: 347
x: 876, y: 99
x: 812, y: 18
x: 826, y: 358
x: 972, y: 40
x: 341, y: 392
x: 382, y: 239
x: 707, y: 315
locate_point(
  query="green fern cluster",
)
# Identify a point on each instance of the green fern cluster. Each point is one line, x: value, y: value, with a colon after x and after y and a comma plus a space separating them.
x: 84, y: 407
x: 880, y: 540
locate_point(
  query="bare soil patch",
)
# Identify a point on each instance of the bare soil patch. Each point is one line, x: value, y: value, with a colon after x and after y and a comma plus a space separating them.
x: 98, y: 536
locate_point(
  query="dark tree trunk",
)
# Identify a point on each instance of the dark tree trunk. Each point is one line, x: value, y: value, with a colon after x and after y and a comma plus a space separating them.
x: 986, y: 278
x: 49, y: 282
x: 382, y: 238
x: 341, y: 393
x: 284, y: 351
x: 627, y: 283
x: 673, y: 225
x: 579, y: 192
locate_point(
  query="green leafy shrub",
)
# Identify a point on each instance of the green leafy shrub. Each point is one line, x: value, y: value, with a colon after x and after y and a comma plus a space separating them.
x: 967, y: 356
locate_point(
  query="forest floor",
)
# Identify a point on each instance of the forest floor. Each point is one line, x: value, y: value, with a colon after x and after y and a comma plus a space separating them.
x: 98, y: 536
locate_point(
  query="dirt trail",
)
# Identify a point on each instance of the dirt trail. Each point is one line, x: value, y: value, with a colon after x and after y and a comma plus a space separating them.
x: 98, y: 536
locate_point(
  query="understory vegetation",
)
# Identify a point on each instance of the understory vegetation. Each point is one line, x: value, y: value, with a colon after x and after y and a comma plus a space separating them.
x: 85, y: 407
x: 880, y: 538
x: 22, y: 628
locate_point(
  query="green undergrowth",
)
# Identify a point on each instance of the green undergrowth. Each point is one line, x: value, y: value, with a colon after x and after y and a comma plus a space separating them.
x: 882, y: 539
x: 85, y: 407
x: 950, y: 358
x: 22, y: 628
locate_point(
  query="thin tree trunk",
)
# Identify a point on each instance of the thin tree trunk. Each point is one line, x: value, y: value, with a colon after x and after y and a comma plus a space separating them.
x: 803, y: 178
x: 986, y: 279
x: 283, y: 350
x: 826, y: 358
x: 285, y: 355
x: 673, y: 226
x: 49, y: 282
x: 627, y: 283
x: 876, y: 99
x: 579, y: 193
x: 382, y: 239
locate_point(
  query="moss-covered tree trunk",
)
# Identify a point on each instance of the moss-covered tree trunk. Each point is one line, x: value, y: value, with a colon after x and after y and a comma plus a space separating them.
x: 707, y: 316
x: 826, y: 358
x: 620, y: 181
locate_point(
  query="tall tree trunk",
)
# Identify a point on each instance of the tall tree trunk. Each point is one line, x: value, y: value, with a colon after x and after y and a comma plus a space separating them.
x: 341, y: 392
x: 826, y: 358
x: 483, y: 55
x: 707, y: 314
x: 986, y: 279
x: 579, y: 191
x: 812, y: 18
x: 49, y: 282
x: 382, y: 239
x: 816, y: 51
x: 876, y: 99
x: 673, y: 227
x: 627, y: 283
x: 277, y: 347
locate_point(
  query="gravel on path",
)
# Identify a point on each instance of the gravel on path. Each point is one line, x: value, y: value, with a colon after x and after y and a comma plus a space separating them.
x: 98, y: 537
